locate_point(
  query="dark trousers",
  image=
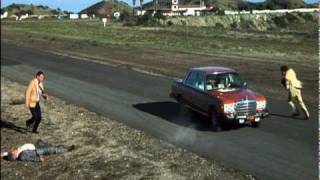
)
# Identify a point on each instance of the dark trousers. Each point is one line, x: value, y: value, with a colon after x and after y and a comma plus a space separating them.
x: 36, y: 117
x: 44, y: 148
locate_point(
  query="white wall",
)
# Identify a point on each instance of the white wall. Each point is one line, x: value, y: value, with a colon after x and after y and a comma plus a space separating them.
x: 4, y: 15
x: 84, y: 16
x: 266, y: 11
x: 74, y: 16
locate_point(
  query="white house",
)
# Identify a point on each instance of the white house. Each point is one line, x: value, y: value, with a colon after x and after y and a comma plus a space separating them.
x: 23, y: 17
x: 116, y: 15
x: 190, y: 10
x: 84, y: 16
x: 173, y: 8
x: 4, y: 15
x: 74, y: 16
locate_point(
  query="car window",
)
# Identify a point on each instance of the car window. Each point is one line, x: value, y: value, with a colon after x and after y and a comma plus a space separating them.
x: 191, y: 79
x: 223, y: 81
x: 196, y: 80
x: 200, y: 81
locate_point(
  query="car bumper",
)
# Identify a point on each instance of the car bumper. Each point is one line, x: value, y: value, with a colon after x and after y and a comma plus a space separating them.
x: 244, y: 119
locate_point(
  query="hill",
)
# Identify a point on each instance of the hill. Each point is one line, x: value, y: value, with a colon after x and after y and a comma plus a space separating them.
x: 21, y: 9
x: 106, y: 7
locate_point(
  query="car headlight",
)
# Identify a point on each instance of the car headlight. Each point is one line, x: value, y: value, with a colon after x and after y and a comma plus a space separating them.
x: 261, y: 105
x: 229, y: 108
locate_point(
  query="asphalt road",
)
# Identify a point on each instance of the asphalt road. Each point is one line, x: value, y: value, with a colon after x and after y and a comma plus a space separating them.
x: 282, y: 148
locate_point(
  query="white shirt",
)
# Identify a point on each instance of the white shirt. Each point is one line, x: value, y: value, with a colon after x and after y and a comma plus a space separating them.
x: 25, y: 147
x: 39, y: 92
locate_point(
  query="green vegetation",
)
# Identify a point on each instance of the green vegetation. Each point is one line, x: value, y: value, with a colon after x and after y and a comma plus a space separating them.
x: 211, y: 40
x: 21, y: 9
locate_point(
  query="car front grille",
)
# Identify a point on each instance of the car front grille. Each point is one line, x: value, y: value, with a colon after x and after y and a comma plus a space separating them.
x: 246, y: 107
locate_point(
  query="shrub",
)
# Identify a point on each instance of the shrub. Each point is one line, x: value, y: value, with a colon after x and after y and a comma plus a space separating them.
x: 281, y: 21
x: 307, y: 16
x: 148, y: 20
x: 247, y: 24
x: 124, y: 16
x: 159, y: 16
x: 131, y: 21
x: 234, y: 25
x: 219, y: 26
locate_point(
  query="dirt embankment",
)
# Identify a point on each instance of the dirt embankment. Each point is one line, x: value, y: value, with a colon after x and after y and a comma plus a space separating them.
x: 105, y: 149
x: 295, y: 22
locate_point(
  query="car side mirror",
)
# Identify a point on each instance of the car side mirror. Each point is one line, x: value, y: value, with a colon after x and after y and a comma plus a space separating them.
x: 245, y: 84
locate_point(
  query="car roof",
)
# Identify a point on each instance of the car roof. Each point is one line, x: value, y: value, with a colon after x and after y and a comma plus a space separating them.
x: 213, y: 69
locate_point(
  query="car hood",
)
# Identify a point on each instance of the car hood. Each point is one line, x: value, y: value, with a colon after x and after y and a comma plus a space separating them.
x: 234, y: 95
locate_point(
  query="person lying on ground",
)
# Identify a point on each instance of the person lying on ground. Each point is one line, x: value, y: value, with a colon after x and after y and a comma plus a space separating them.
x: 35, y: 152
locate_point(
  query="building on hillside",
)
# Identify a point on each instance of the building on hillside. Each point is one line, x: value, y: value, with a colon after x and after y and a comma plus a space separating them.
x: 173, y: 8
x: 116, y: 14
x: 4, y: 15
x: 84, y: 16
x: 22, y: 17
x: 74, y: 16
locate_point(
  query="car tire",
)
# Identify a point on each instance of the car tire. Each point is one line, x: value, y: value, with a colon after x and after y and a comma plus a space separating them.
x: 255, y: 124
x: 180, y: 99
x: 216, y: 122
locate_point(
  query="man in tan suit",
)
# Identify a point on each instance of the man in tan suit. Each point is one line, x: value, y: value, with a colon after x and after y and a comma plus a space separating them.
x: 34, y: 91
x: 294, y: 86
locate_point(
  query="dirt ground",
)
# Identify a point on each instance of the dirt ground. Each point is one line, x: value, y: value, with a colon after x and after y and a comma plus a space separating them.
x: 105, y: 149
x: 262, y: 75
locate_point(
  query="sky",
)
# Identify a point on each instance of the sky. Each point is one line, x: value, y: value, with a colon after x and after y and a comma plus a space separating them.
x: 78, y: 5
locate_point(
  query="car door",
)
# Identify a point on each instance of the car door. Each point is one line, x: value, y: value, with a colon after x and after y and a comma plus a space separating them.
x: 200, y: 96
x: 195, y: 93
x: 188, y: 85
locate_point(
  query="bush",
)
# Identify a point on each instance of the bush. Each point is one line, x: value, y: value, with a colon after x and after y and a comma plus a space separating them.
x: 159, y: 16
x: 234, y: 25
x: 220, y: 12
x: 306, y: 16
x: 281, y: 21
x: 148, y: 20
x: 291, y: 17
x: 219, y: 26
x: 169, y: 23
x: 131, y: 21
x: 247, y: 24
x: 124, y: 16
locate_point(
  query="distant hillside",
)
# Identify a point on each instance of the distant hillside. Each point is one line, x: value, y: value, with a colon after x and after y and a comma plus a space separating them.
x: 21, y: 9
x: 106, y: 7
x: 275, y: 4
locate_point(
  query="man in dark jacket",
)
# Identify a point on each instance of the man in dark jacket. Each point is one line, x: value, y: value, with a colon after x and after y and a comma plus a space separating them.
x: 35, y: 152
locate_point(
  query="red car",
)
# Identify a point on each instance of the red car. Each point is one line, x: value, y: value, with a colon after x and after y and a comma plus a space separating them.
x: 220, y: 94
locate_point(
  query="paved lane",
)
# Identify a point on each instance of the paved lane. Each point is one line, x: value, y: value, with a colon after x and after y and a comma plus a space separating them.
x: 282, y: 148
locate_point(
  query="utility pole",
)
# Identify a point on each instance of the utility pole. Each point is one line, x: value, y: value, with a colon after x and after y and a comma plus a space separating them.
x: 155, y: 4
x: 134, y: 5
x: 111, y: 13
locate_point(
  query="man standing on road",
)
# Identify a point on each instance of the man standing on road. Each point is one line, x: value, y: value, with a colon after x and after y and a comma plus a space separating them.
x: 34, y: 92
x: 294, y: 86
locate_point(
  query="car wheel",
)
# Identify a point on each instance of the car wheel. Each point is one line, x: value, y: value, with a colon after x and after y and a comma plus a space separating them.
x: 216, y: 124
x: 180, y: 99
x: 255, y: 124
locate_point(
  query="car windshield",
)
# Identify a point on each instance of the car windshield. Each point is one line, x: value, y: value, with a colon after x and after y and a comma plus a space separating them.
x: 224, y: 81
